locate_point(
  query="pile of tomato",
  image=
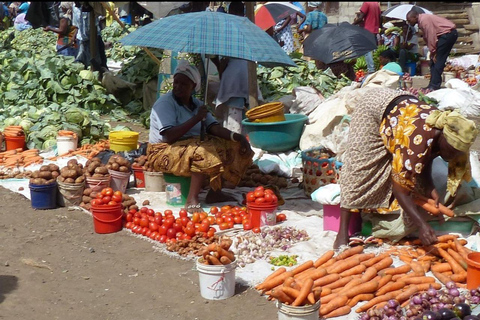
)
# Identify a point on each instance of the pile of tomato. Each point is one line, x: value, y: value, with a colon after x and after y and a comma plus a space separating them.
x: 260, y: 195
x: 107, y: 197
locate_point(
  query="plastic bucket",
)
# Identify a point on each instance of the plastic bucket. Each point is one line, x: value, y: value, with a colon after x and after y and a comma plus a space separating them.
x: 262, y: 215
x: 412, y: 68
x: 424, y: 67
x: 331, y: 219
x: 43, y: 196
x: 119, y: 180
x: 70, y: 194
x: 448, y: 76
x: 139, y: 175
x: 177, y: 189
x: 97, y: 184
x: 473, y: 270
x: 269, y: 112
x: 217, y: 282
x: 12, y: 143
x: 155, y: 182
x: 107, y: 219
x: 65, y: 144
x: 123, y: 140
x: 307, y: 312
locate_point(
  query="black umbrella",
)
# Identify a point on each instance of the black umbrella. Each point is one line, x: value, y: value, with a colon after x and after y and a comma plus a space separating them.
x: 334, y: 43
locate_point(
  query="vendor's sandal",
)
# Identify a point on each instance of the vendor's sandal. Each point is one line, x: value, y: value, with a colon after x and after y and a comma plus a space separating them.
x: 356, y: 240
x: 192, y: 208
x: 371, y: 240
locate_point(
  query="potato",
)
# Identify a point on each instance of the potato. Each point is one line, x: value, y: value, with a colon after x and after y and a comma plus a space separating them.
x: 115, y: 166
x: 87, y: 191
x: 72, y: 163
x: 69, y: 180
x: 80, y: 179
x: 53, y: 167
x: 109, y: 166
x: 45, y: 168
x: 124, y: 169
x: 61, y: 179
x: 55, y: 174
x: 86, y: 199
x: 47, y: 175
x: 35, y: 174
x: 133, y: 207
x: 98, y: 175
x: 101, y: 170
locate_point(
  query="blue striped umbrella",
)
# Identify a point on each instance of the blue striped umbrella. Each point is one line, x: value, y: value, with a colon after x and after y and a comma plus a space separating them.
x: 211, y: 33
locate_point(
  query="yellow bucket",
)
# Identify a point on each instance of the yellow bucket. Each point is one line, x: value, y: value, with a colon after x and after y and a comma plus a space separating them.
x: 123, y: 140
x: 269, y: 112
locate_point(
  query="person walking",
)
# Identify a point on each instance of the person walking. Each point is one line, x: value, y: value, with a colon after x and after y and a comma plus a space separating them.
x: 316, y: 19
x: 67, y: 43
x: 369, y: 17
x: 440, y: 34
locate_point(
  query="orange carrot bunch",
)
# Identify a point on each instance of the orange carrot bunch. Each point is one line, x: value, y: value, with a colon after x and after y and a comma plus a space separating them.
x: 13, y: 131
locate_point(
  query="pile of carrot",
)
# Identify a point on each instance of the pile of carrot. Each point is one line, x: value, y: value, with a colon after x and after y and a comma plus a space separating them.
x: 88, y: 151
x: 429, y: 205
x: 343, y: 280
x: 66, y: 133
x: 18, y: 158
x: 13, y: 131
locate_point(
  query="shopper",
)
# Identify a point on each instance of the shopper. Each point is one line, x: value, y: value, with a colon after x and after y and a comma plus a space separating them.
x: 369, y: 17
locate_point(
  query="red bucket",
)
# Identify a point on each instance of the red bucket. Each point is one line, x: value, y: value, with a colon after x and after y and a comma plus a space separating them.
x: 262, y: 215
x: 107, y: 219
x: 12, y: 143
x: 473, y: 270
x: 139, y: 177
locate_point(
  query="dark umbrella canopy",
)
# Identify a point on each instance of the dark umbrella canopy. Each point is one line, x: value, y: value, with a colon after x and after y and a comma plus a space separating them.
x: 334, y: 43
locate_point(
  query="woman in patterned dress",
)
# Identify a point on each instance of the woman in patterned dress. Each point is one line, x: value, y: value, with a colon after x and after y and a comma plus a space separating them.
x: 392, y: 142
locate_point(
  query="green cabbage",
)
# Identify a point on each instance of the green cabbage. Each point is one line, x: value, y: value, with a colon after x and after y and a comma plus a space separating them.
x: 74, y: 115
x: 26, y: 124
x: 47, y: 144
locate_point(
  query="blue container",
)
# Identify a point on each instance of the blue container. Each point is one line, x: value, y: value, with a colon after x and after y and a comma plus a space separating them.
x: 43, y: 196
x: 276, y: 136
x: 412, y: 68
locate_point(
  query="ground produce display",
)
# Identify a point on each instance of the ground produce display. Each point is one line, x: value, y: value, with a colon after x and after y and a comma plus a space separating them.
x: 72, y: 173
x: 47, y: 174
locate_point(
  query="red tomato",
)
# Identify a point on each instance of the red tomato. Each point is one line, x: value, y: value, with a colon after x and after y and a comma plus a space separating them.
x: 196, y: 217
x: 171, y: 233
x: 112, y: 203
x: 158, y: 219
x: 132, y: 211
x: 151, y: 219
x: 171, y: 240
x: 177, y: 227
x: 107, y: 191
x: 251, y: 196
x: 153, y: 226
x: 259, y: 194
x: 274, y: 199
x: 163, y: 238
x: 190, y: 231
x: 210, y: 233
x: 260, y: 200
x: 183, y: 213
x: 129, y: 225
x: 96, y: 202
x: 144, y: 222
x: 228, y: 219
x: 268, y: 198
x: 259, y: 188
x: 247, y: 225
x: 237, y: 219
x: 143, y: 209
x: 178, y: 235
x: 162, y: 230
x: 224, y: 226
x: 136, y: 229
x: 256, y: 230
x: 169, y: 221
x: 117, y: 199
x: 137, y: 215
x: 203, y: 227
x: 150, y: 212
x: 144, y: 230
x: 153, y: 235
x: 184, y: 221
x: 148, y: 233
x: 219, y: 221
x: 211, y: 220
x: 224, y: 209
x: 186, y: 237
x: 129, y: 217
x: 168, y: 212
x: 281, y: 217
x: 203, y: 216
x: 118, y: 193
x: 136, y: 221
x: 99, y: 196
x: 213, y: 210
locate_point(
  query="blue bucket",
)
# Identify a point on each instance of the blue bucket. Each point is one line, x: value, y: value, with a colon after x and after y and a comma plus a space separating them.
x: 43, y: 196
x: 412, y: 68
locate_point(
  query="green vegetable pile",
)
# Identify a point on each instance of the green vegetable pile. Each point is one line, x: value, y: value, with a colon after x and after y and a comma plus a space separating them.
x: 284, y: 260
x: 45, y: 92
x: 113, y: 34
x: 280, y: 81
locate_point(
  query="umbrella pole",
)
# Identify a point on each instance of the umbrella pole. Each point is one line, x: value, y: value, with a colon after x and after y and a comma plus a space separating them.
x: 202, y: 126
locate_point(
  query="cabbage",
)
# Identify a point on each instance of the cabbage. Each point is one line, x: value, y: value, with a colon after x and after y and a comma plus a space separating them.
x: 121, y: 128
x: 26, y: 124
x: 10, y: 122
x: 47, y: 144
x: 49, y: 131
x: 87, y: 75
x: 74, y: 115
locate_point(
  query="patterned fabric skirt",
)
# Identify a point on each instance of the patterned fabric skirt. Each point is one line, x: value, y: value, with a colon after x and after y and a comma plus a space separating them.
x: 215, y: 157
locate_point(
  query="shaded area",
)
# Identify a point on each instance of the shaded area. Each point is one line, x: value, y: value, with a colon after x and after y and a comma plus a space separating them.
x: 7, y: 285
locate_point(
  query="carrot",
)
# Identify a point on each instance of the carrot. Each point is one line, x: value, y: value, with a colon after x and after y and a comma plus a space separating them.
x: 404, y: 258
x: 288, y: 282
x: 367, y: 287
x: 317, y: 293
x: 304, y: 266
x: 407, y: 293
x: 456, y: 267
x: 281, y: 296
x: 339, y: 283
x: 213, y: 260
x: 335, y: 303
x: 455, y: 255
x: 306, y: 289
x: 398, y: 270
x: 442, y: 245
x: 277, y: 272
x: 460, y: 248
x: 446, y: 237
x: 463, y: 242
x: 317, y: 273
x: 324, y: 291
x: 419, y: 280
x: 374, y: 302
x: 292, y: 293
x: 311, y: 298
x: 349, y: 252
x: 384, y: 263
x: 389, y: 287
x: 225, y: 260
x: 360, y: 297
x: 461, y: 285
x: 384, y: 280
x: 459, y: 277
x: 427, y: 258
x: 273, y: 282
x: 305, y: 273
x: 371, y: 262
x: 354, y: 282
x: 427, y: 206
x: 441, y: 208
x: 326, y: 280
x: 358, y: 269
x: 366, y: 256
x: 425, y: 265
x: 338, y: 312
x: 417, y: 268
x: 324, y: 258
x: 426, y: 286
x: 224, y: 253
x: 344, y: 265
x: 369, y: 274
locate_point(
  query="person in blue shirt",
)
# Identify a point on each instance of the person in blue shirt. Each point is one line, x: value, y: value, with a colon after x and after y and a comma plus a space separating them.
x: 388, y: 60
x: 175, y: 145
x: 316, y: 19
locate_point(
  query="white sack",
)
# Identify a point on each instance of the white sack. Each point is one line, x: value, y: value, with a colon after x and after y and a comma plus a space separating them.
x: 466, y: 100
x: 382, y: 79
x: 307, y: 99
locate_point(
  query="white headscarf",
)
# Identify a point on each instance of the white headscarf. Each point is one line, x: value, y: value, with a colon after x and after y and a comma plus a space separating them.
x: 185, y: 68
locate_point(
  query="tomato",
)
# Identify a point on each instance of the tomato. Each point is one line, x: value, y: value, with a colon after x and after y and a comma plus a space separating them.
x: 136, y: 229
x: 259, y: 194
x: 260, y: 200
x: 150, y: 212
x: 137, y: 215
x: 196, y: 217
x: 247, y: 225
x: 132, y: 211
x: 210, y: 233
x: 143, y: 209
x: 158, y: 219
x: 184, y: 221
x: 148, y: 233
x: 228, y: 219
x: 183, y: 213
x: 203, y: 216
x: 281, y: 217
x: 251, y: 196
x: 168, y: 212
x: 107, y: 191
x: 153, y: 226
x: 171, y: 240
x: 99, y: 196
x: 268, y: 198
x: 231, y: 224
x: 163, y: 238
x: 219, y: 221
x: 269, y: 191
x: 211, y: 220
x: 144, y: 230
x: 186, y: 237
x: 213, y: 210
x: 237, y: 219
x: 178, y: 235
x: 168, y: 222
x: 171, y: 232
x: 177, y: 227
x: 203, y: 227
x: 274, y: 199
x: 162, y: 230
x: 224, y: 209
x: 144, y: 222
x: 224, y: 226
x: 117, y: 199
x: 256, y: 230
x: 136, y: 221
x: 151, y: 219
x: 153, y: 235
x: 259, y: 188
x: 96, y: 202
x: 190, y: 231
x: 112, y: 203
x: 129, y: 225
x: 118, y: 193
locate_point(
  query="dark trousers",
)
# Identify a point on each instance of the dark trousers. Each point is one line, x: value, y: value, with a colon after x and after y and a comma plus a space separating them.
x: 444, y: 45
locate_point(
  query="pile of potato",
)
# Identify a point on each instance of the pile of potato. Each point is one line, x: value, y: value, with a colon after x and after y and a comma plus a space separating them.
x: 118, y: 163
x: 72, y: 173
x: 254, y: 177
x: 45, y: 175
x: 16, y: 174
x: 95, y: 168
x: 456, y: 69
x: 195, y: 246
x: 140, y: 161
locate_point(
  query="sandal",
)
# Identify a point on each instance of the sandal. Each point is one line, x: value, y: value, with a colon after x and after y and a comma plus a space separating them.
x: 192, y: 208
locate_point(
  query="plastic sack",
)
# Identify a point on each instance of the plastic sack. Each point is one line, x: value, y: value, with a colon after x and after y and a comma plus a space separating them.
x: 42, y: 14
x: 307, y: 99
x: 337, y: 140
x: 382, y: 79
x: 465, y: 99
x: 327, y: 194
x: 465, y: 61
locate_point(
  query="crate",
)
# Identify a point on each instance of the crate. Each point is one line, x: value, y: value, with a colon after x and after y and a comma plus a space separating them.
x: 320, y: 168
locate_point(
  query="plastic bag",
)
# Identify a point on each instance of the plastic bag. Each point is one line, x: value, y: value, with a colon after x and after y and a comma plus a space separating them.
x: 337, y: 140
x: 327, y: 194
x: 465, y: 99
x: 382, y: 79
x: 307, y: 99
x: 105, y: 155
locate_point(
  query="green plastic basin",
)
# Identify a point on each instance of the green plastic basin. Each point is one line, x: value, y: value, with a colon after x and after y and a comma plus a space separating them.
x: 276, y: 136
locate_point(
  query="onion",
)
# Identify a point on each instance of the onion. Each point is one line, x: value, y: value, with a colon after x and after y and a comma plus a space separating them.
x: 417, y: 300
x: 392, y: 303
x: 475, y: 300
x: 451, y: 285
x: 432, y: 292
x: 453, y: 292
x: 364, y: 316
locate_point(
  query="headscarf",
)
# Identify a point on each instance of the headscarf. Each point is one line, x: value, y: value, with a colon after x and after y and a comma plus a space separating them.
x: 68, y: 7
x: 388, y: 25
x: 460, y: 133
x: 185, y: 68
x: 23, y: 8
x: 314, y: 4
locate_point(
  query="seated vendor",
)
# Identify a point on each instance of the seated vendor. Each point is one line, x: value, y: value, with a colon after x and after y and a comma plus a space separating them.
x: 175, y: 146
x: 388, y: 60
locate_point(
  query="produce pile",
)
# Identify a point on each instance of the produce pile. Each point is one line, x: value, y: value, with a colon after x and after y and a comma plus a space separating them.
x: 47, y: 174
x: 111, y: 36
x: 389, y: 292
x: 254, y: 177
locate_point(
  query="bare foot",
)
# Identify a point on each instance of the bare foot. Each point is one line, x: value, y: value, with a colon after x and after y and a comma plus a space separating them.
x: 340, y: 240
x: 218, y: 196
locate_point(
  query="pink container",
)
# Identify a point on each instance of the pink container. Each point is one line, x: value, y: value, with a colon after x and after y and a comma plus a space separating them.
x: 331, y: 219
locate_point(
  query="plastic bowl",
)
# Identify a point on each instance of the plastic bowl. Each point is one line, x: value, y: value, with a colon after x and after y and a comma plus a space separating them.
x: 276, y: 136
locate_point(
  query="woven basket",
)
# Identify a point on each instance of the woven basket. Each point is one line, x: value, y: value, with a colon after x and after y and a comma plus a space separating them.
x: 320, y: 168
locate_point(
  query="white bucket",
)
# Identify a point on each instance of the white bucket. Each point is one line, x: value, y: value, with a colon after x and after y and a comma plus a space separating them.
x: 154, y: 181
x: 217, y: 282
x: 448, y: 76
x: 307, y: 312
x: 119, y: 180
x: 65, y: 144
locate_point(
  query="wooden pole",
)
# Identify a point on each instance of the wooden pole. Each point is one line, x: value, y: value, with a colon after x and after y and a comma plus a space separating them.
x: 93, y: 36
x: 252, y: 66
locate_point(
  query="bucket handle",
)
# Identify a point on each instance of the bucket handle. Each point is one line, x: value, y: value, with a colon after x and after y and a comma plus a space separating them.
x: 99, y: 183
x: 108, y: 221
x: 214, y: 285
